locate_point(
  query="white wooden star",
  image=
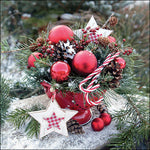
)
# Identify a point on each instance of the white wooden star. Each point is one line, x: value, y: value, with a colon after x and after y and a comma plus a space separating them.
x: 92, y: 23
x: 53, y: 119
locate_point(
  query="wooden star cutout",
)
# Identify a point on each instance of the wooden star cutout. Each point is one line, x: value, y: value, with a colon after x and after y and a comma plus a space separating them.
x: 53, y: 119
x: 92, y: 23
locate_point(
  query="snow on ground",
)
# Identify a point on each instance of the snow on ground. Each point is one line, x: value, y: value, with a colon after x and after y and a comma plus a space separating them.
x: 17, y: 139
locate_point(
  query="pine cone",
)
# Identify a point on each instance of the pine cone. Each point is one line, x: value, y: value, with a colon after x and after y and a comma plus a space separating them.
x: 64, y: 51
x: 102, y: 107
x: 104, y: 41
x: 114, y: 83
x: 74, y: 127
x: 40, y: 40
x: 113, y: 21
x: 33, y: 47
x: 114, y: 69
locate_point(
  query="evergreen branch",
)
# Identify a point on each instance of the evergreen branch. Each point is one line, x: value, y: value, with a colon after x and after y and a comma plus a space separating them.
x: 137, y: 111
x: 20, y: 117
x: 24, y: 48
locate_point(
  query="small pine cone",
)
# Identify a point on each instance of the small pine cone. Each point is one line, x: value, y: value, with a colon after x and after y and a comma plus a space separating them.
x: 40, y: 40
x: 33, y: 47
x: 113, y: 21
x: 114, y: 83
x: 102, y: 107
x: 104, y: 41
x: 74, y: 127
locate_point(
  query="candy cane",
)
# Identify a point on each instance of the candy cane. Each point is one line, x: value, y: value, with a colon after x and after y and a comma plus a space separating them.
x: 94, y: 75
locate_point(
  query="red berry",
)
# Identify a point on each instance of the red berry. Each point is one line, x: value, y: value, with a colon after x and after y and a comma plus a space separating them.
x: 84, y: 32
x: 47, y: 40
x: 97, y: 28
x: 116, y: 44
x: 49, y: 46
x: 88, y: 28
x: 48, y: 51
x: 124, y: 40
x: 84, y: 35
x: 94, y: 30
x: 130, y: 51
x: 44, y: 47
x: 39, y: 44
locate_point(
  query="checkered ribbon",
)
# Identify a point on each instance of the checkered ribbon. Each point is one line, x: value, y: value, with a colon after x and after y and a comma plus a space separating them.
x: 93, y: 37
x: 94, y: 75
x: 53, y: 121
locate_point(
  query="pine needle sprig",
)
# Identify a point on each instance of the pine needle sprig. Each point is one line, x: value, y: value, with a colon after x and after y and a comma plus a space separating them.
x: 21, y: 117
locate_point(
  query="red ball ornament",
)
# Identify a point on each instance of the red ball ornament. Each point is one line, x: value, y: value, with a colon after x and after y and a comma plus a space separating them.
x: 60, y: 71
x: 31, y: 59
x: 84, y: 63
x: 97, y: 124
x: 106, y: 118
x: 60, y: 33
x: 121, y: 62
x: 111, y: 39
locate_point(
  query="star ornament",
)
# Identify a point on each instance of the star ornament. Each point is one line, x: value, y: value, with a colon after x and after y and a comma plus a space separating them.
x: 99, y: 32
x: 53, y: 119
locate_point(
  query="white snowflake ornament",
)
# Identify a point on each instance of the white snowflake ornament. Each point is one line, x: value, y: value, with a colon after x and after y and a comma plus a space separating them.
x: 53, y: 119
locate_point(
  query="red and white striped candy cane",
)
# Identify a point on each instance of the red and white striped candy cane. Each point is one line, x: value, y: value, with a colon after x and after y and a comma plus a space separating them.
x: 94, y: 75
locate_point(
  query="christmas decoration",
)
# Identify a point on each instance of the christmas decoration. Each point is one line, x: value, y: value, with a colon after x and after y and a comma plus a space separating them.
x: 84, y: 63
x: 82, y: 68
x: 93, y: 36
x: 60, y: 71
x: 113, y: 21
x: 74, y: 127
x: 60, y: 33
x: 64, y: 51
x: 106, y: 118
x: 32, y: 59
x: 97, y: 124
x: 40, y: 41
x: 121, y: 62
x: 53, y: 119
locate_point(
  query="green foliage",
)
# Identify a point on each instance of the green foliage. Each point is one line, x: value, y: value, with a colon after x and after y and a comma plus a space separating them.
x: 21, y: 117
x: 134, y: 26
x: 5, y: 98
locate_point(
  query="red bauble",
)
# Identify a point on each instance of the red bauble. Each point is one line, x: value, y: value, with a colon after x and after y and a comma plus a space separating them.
x: 97, y: 124
x: 32, y: 59
x: 84, y: 63
x: 60, y: 71
x: 106, y: 118
x: 83, y: 116
x: 111, y: 39
x: 60, y: 33
x: 121, y: 62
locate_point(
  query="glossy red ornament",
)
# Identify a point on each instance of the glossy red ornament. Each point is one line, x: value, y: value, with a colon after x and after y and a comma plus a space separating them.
x: 106, y: 118
x: 60, y: 71
x: 60, y: 33
x: 83, y: 117
x: 121, y: 62
x: 111, y: 39
x: 31, y: 59
x: 97, y: 124
x: 84, y: 63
